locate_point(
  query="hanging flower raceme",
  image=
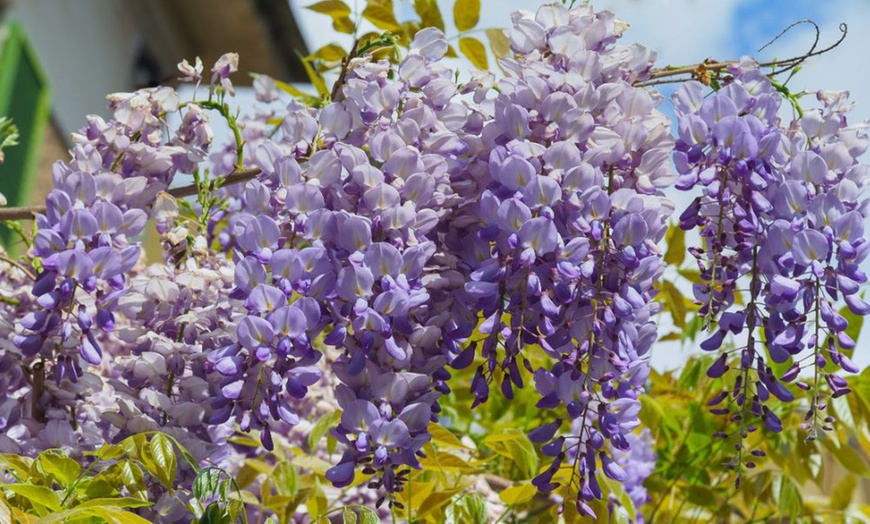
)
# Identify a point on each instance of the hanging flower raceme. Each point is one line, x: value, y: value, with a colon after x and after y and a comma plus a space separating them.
x: 335, y: 239
x: 781, y: 215
x: 560, y: 248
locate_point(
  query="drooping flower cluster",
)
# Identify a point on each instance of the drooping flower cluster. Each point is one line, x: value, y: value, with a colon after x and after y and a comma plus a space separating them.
x: 781, y: 212
x: 561, y: 246
x: 336, y: 239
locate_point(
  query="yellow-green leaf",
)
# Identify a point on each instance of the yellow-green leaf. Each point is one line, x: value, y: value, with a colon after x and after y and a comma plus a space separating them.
x: 333, y: 8
x: 848, y: 457
x: 444, y: 437
x: 64, y: 469
x: 359, y: 515
x: 116, y: 515
x: 330, y: 52
x: 306, y: 98
x: 515, y: 445
x: 475, y: 51
x: 115, y: 502
x: 164, y: 459
x: 841, y: 495
x: 39, y: 495
x: 132, y: 478
x: 675, y: 239
x: 321, y: 427
x: 344, y: 25
x: 518, y: 493
x: 20, y: 465
x: 448, y: 462
x: 317, y: 465
x: 498, y: 42
x: 286, y: 479
x: 317, y: 503
x: 675, y: 303
x: 429, y: 13
x: 466, y: 14
x: 316, y: 78
x: 380, y: 13
x: 436, y: 500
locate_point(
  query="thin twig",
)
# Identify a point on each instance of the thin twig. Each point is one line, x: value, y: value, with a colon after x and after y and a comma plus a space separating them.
x: 784, y: 65
x: 236, y: 177
x: 24, y: 269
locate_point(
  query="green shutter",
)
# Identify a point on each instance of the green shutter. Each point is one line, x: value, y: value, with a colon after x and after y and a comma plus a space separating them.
x: 24, y: 97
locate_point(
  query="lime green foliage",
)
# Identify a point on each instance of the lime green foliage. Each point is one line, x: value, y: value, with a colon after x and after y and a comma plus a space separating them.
x: 393, y: 36
x: 797, y: 480
x: 54, y: 488
x: 8, y: 135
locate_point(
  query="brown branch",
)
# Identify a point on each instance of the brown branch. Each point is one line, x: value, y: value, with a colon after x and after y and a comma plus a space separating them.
x: 342, y: 75
x: 236, y: 177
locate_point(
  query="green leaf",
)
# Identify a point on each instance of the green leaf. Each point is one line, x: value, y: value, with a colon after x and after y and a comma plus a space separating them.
x: 8, y: 135
x: 235, y: 508
x: 515, y: 445
x: 285, y: 479
x: 317, y: 503
x: 841, y: 495
x: 321, y: 427
x: 518, y: 493
x: 19, y: 465
x: 789, y: 499
x: 498, y: 42
x: 206, y: 482
x: 675, y: 239
x: 359, y: 515
x: 132, y: 478
x: 380, y: 14
x: 333, y: 8
x: 36, y: 494
x: 475, y: 51
x: 64, y: 469
x: 466, y: 14
x: 115, y: 502
x: 471, y: 509
x: 213, y: 514
x: 429, y: 13
x: 164, y: 459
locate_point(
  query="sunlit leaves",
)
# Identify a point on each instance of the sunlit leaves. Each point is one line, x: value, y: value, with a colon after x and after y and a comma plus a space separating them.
x: 164, y: 459
x: 430, y: 14
x: 466, y: 14
x: 498, y: 43
x: 516, y: 446
x: 380, y: 14
x: 518, y: 493
x: 338, y: 11
x: 474, y: 50
x: 675, y: 240
x: 359, y: 515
